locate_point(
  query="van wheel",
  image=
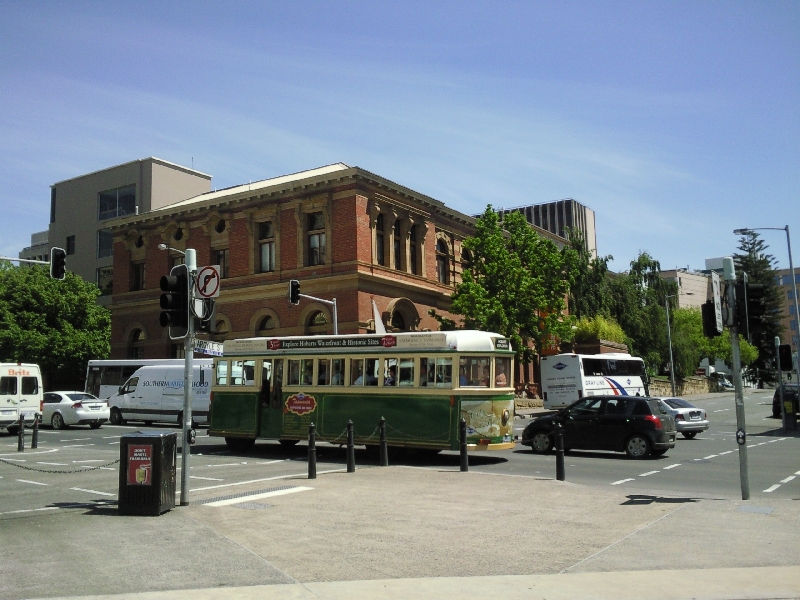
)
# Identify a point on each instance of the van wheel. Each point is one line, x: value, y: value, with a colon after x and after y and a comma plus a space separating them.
x: 58, y: 421
x: 116, y: 417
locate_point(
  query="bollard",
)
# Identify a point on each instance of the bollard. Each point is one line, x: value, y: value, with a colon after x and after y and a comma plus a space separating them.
x: 559, y: 452
x: 21, y: 435
x: 35, y: 434
x: 384, y: 450
x: 351, y: 449
x: 312, y: 452
x: 463, y: 445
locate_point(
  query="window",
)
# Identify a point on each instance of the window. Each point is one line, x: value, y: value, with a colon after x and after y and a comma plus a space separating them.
x: 442, y: 260
x: 135, y: 349
x: 52, y: 205
x: 137, y: 277
x: 473, y: 371
x: 791, y: 309
x: 266, y: 324
x: 294, y: 372
x: 364, y: 371
x: 118, y: 202
x: 412, y: 249
x: 30, y: 385
x: 105, y: 280
x: 70, y: 244
x: 105, y: 243
x: 398, y: 255
x: 222, y: 372
x: 177, y: 351
x: 221, y: 259
x: 436, y: 372
x: 380, y: 255
x: 316, y: 239
x: 330, y: 371
x: 337, y: 371
x: 266, y: 244
x: 174, y: 261
x: 243, y: 372
x: 130, y: 386
x: 502, y: 372
x: 8, y: 385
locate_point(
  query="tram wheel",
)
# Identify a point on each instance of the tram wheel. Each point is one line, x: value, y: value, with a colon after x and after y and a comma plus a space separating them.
x: 240, y: 444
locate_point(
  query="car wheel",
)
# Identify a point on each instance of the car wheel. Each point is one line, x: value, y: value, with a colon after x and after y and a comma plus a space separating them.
x: 689, y: 435
x: 57, y: 421
x: 541, y: 442
x: 116, y: 417
x: 637, y: 446
x: 95, y: 425
x: 239, y: 444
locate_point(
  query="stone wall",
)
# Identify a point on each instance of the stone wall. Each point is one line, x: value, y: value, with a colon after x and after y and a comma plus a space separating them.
x: 660, y: 386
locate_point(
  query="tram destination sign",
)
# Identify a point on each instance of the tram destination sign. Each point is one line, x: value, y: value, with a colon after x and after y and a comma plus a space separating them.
x: 422, y: 341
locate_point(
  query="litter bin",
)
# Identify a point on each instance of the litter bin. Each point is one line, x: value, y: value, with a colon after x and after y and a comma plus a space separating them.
x: 147, y: 461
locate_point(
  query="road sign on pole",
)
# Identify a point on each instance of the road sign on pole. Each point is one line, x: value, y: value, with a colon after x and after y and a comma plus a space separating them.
x: 207, y: 282
x: 717, y: 300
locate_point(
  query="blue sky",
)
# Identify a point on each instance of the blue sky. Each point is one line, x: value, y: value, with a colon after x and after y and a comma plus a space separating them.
x: 676, y: 122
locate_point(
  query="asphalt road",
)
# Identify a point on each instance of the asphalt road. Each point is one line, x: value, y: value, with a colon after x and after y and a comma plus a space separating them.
x: 77, y: 466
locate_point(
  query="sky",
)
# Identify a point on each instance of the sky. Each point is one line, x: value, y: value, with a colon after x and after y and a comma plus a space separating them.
x: 676, y: 122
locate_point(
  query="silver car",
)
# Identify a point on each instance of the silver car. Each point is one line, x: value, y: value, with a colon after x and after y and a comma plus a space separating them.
x: 689, y: 419
x: 61, y: 409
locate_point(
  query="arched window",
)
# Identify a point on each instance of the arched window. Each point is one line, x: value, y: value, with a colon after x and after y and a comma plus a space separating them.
x: 380, y: 255
x: 317, y: 323
x: 442, y: 262
x: 135, y: 343
x: 398, y: 322
x: 266, y: 324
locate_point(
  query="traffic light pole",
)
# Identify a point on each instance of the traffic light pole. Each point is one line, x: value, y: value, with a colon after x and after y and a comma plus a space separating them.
x: 780, y: 382
x: 188, y: 350
x: 741, y: 436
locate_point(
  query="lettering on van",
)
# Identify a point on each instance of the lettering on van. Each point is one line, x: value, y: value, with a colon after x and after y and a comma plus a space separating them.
x: 22, y: 372
x: 300, y: 404
x: 178, y: 383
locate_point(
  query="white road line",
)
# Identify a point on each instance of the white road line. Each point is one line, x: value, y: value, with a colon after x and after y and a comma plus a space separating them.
x: 112, y: 443
x: 222, y: 485
x: 270, y: 462
x: 77, y: 445
x: 88, y: 460
x: 797, y: 472
x: 727, y: 452
x: 33, y: 482
x: 225, y: 465
x: 206, y: 478
x: 772, y: 488
x: 672, y: 467
x: 109, y: 437
x: 623, y: 481
x: 29, y: 453
x: 250, y: 498
x: 53, y: 464
x: 93, y: 492
x: 709, y: 456
x: 788, y: 479
x: 76, y: 440
x: 14, y: 459
x: 648, y: 473
x: 721, y: 410
x: 26, y: 510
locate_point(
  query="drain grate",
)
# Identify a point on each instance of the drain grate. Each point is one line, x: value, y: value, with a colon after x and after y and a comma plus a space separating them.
x: 245, y: 495
x: 761, y: 510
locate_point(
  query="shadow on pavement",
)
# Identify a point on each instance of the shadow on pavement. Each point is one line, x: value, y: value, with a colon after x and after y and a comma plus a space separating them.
x: 642, y: 499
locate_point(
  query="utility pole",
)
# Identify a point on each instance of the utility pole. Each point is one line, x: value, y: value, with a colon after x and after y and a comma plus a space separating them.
x: 188, y: 350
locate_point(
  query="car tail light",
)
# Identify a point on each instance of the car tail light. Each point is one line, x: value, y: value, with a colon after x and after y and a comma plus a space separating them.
x: 77, y: 405
x: 655, y: 421
x: 679, y: 417
x: 210, y: 398
x: 41, y: 405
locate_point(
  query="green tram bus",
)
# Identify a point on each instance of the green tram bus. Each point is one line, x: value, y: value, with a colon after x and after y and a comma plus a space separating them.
x: 421, y: 382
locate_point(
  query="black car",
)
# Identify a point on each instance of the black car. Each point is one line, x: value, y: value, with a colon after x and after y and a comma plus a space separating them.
x: 635, y: 425
x: 790, y: 392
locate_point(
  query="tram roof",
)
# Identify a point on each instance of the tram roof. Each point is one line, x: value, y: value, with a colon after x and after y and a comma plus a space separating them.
x: 459, y: 341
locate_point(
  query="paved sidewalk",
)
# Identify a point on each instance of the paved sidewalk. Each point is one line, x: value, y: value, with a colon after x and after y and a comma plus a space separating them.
x: 402, y: 532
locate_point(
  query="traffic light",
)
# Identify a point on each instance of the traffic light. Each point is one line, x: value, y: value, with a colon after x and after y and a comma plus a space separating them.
x: 175, y: 302
x: 294, y: 291
x: 751, y: 306
x: 58, y: 263
x: 785, y: 358
x: 709, y: 319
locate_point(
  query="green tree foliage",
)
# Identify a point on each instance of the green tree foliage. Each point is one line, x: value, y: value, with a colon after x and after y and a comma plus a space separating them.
x: 588, y: 294
x: 760, y: 268
x: 55, y: 324
x: 514, y: 283
x: 599, y: 328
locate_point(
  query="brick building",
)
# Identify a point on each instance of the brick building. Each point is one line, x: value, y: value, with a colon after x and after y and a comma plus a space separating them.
x: 344, y: 232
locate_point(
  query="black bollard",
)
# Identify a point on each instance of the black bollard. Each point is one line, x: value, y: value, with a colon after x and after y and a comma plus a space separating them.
x: 21, y: 435
x: 351, y: 449
x: 463, y: 445
x: 312, y: 452
x: 35, y: 434
x: 384, y: 449
x: 559, y: 452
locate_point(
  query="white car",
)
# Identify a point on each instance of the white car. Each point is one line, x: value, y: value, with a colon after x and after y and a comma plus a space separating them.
x: 61, y: 409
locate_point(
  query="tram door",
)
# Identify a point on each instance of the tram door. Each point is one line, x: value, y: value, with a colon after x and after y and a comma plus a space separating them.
x: 270, y: 422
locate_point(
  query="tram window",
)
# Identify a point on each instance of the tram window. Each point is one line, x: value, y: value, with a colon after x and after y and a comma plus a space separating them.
x: 371, y: 371
x: 357, y: 371
x: 243, y: 372
x: 406, y: 375
x: 390, y: 371
x: 444, y: 372
x: 307, y: 368
x: 222, y: 372
x: 337, y: 377
x: 277, y: 380
x: 266, y: 377
x: 427, y: 371
x: 473, y: 371
x: 294, y: 372
x: 323, y: 371
x: 502, y: 372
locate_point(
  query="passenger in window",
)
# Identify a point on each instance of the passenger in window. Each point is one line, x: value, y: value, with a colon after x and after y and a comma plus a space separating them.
x: 392, y: 378
x: 308, y: 376
x: 500, y: 377
x: 485, y: 380
x: 336, y: 378
x: 462, y: 377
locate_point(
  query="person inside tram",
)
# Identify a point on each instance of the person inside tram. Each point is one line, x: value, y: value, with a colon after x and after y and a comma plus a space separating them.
x: 391, y: 379
x: 500, y: 377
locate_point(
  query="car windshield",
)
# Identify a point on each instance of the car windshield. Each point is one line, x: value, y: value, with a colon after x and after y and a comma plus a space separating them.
x: 80, y: 397
x: 678, y: 403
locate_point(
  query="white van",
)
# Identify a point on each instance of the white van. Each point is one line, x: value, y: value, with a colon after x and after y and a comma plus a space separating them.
x: 155, y: 393
x: 20, y: 393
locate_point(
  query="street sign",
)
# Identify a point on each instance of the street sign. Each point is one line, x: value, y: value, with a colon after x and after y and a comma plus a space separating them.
x: 205, y: 347
x: 207, y: 281
x: 717, y: 299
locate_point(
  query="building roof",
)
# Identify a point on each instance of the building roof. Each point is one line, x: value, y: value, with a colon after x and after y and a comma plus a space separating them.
x: 138, y: 160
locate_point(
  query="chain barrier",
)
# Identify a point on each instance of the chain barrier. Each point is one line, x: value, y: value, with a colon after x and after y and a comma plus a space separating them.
x: 342, y: 437
x: 444, y: 435
x: 81, y: 470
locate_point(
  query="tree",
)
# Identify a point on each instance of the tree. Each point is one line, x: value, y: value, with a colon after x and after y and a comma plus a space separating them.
x: 599, y: 328
x: 514, y: 283
x: 56, y: 324
x: 588, y: 294
x: 760, y: 269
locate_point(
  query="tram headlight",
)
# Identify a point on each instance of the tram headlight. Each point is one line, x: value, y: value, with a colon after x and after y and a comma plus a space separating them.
x: 506, y: 416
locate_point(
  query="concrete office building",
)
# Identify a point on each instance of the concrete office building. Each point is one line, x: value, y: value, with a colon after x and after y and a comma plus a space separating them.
x: 83, y: 209
x: 39, y: 248
x: 788, y: 316
x: 694, y: 288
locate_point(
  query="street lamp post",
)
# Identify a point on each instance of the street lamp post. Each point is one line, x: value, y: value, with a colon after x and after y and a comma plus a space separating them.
x: 669, y: 338
x: 746, y: 230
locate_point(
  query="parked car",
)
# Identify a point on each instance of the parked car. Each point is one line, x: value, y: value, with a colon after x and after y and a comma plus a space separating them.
x: 638, y: 426
x: 790, y: 392
x: 689, y: 420
x: 61, y: 409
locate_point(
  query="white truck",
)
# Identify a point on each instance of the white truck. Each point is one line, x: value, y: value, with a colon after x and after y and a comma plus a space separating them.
x: 155, y: 394
x: 20, y: 394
